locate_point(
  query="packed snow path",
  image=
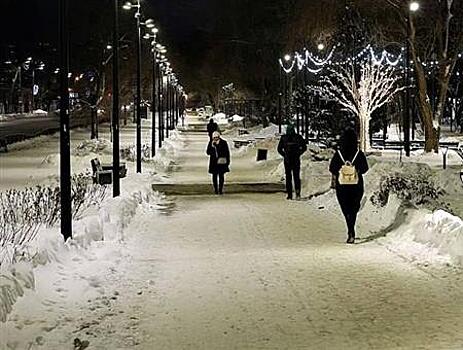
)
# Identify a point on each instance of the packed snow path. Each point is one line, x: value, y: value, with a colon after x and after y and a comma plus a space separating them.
x: 244, y: 271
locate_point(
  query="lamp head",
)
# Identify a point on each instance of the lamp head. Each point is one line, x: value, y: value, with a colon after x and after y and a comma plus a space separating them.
x: 414, y: 6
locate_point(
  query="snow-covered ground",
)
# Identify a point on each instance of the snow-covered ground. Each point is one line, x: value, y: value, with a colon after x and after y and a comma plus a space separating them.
x: 234, y: 272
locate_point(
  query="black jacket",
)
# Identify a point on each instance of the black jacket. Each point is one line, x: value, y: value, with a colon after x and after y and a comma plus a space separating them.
x: 215, y: 152
x: 291, y: 147
x: 211, y: 127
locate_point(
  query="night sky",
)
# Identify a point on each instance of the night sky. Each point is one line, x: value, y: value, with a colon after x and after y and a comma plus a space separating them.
x: 205, y: 38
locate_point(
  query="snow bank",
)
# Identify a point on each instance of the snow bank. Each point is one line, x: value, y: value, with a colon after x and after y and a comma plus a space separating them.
x: 106, y: 223
x: 40, y: 112
x: 428, y: 238
x: 237, y: 118
x: 220, y: 118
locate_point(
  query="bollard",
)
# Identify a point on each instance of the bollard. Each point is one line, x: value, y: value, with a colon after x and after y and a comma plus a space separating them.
x: 444, y: 159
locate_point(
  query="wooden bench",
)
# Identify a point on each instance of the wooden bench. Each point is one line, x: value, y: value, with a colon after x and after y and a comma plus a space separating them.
x: 242, y: 142
x: 237, y: 143
x: 103, y: 173
x: 242, y: 131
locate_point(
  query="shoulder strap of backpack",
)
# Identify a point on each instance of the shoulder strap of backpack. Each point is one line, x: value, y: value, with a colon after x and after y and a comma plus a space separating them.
x: 356, y: 154
x: 342, y: 158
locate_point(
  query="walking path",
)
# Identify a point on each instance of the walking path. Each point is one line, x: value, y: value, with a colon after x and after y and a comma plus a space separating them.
x: 253, y: 271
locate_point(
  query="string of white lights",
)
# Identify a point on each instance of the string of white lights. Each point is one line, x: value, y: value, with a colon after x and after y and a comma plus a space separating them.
x: 307, y: 59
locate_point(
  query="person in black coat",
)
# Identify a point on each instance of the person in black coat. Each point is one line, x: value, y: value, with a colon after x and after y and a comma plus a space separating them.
x: 211, y: 127
x: 349, y: 195
x: 291, y: 147
x: 219, y: 161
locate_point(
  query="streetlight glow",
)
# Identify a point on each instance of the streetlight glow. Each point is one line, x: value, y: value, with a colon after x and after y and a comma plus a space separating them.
x: 127, y: 6
x: 154, y: 30
x: 320, y: 47
x: 414, y: 6
x: 287, y: 57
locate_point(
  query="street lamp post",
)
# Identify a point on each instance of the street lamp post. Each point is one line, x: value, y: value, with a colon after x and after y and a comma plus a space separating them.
x: 167, y: 103
x: 279, y: 99
x: 116, y: 105
x: 413, y: 7
x: 154, y: 91
x: 148, y: 23
x: 287, y: 58
x: 160, y: 125
x: 65, y: 149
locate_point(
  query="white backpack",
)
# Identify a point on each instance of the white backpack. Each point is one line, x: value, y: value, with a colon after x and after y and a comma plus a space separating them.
x: 348, y: 174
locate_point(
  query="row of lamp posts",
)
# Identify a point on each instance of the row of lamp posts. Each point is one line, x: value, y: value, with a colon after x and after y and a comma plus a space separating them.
x: 168, y: 99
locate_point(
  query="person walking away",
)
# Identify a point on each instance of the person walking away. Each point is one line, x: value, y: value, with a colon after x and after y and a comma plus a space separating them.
x: 291, y: 147
x: 347, y: 168
x: 211, y: 127
x: 219, y: 161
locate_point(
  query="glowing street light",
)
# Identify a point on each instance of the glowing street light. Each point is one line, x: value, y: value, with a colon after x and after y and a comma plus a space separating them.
x: 414, y: 6
x: 287, y: 57
x: 320, y: 47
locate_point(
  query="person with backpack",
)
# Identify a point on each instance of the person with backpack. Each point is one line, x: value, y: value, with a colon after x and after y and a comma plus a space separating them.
x: 211, y: 127
x: 347, y: 168
x: 219, y: 161
x: 291, y: 147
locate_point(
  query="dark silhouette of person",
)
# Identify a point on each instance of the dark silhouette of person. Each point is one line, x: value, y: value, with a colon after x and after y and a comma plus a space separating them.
x: 219, y: 161
x: 211, y: 127
x: 349, y: 195
x: 291, y: 147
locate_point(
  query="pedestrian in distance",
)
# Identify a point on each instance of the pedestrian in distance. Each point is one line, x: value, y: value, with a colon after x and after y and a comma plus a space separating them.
x: 211, y: 127
x: 347, y: 168
x: 291, y: 147
x: 219, y: 161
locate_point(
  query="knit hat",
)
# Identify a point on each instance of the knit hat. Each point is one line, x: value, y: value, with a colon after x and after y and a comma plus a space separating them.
x: 215, y: 134
x: 290, y: 129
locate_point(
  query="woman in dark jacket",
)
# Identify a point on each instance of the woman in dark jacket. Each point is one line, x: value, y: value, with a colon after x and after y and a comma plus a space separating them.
x: 219, y: 161
x: 349, y: 195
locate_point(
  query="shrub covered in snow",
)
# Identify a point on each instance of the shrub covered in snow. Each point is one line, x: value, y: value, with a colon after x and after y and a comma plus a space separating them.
x: 100, y: 146
x: 23, y: 212
x: 417, y: 188
x: 130, y: 153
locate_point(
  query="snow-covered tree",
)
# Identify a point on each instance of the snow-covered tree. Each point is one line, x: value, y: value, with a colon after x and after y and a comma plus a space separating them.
x: 362, y: 93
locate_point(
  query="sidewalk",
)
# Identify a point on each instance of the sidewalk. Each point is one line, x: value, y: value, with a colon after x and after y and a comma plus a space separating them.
x: 245, y: 271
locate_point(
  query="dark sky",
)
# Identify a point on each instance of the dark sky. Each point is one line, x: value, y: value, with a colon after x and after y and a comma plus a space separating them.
x: 196, y: 32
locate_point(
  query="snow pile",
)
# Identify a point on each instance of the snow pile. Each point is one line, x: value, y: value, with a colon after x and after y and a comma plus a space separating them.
x: 429, y: 238
x: 105, y: 223
x: 220, y: 118
x: 40, y: 112
x: 236, y: 118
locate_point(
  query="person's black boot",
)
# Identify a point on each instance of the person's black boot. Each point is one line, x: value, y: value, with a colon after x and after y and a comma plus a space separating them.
x: 350, y: 240
x: 289, y: 197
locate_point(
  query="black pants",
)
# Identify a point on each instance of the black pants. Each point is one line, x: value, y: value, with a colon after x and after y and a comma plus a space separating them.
x: 292, y: 171
x: 218, y: 187
x: 349, y: 200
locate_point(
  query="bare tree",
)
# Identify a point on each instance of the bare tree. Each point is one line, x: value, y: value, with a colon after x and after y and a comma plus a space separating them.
x: 362, y: 94
x: 435, y: 33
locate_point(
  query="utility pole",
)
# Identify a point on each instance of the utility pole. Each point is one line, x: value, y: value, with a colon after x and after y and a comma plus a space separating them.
x: 65, y: 148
